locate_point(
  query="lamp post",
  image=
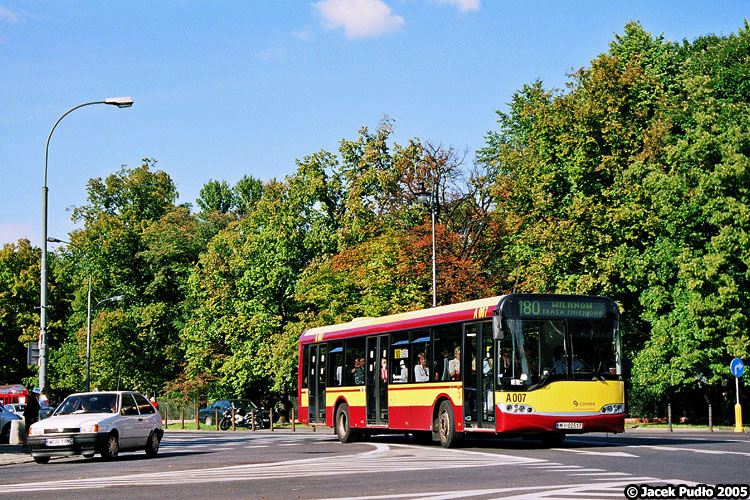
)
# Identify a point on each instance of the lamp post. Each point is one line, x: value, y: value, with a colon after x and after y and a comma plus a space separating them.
x: 429, y: 200
x: 120, y: 102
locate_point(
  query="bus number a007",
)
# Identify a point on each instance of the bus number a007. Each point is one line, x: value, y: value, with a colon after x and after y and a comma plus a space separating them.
x: 515, y: 397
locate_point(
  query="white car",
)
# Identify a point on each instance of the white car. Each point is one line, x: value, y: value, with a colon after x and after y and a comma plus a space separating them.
x: 97, y: 422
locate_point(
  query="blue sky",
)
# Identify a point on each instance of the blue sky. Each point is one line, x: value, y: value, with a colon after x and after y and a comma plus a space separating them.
x: 224, y: 89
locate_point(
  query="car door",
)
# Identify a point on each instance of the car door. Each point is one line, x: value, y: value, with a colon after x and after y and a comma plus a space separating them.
x: 148, y: 421
x: 130, y: 422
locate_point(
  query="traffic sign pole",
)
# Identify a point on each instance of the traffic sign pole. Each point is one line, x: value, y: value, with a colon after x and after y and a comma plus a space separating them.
x: 737, y: 367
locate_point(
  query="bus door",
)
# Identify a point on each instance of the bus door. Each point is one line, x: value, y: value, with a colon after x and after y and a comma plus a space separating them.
x: 317, y: 383
x: 376, y: 380
x: 477, y: 375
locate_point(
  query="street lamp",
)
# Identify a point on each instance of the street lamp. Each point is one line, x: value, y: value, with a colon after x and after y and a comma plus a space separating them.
x: 120, y: 102
x: 429, y: 200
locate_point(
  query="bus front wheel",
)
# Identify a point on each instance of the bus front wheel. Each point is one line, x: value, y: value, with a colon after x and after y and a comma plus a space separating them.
x: 446, y: 426
x: 344, y: 429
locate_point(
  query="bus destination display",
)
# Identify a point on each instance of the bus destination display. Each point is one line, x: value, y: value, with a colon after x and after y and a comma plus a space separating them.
x: 546, y: 308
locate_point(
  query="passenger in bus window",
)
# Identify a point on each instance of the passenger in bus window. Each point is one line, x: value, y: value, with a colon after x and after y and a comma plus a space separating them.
x: 384, y: 371
x: 404, y: 372
x: 359, y: 371
x: 421, y: 372
x: 454, y: 365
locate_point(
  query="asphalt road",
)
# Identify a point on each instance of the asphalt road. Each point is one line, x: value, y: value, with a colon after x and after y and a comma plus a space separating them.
x: 285, y: 465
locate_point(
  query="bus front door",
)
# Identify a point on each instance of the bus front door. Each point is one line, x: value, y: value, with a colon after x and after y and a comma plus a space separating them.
x: 317, y: 385
x: 376, y: 380
x: 477, y: 375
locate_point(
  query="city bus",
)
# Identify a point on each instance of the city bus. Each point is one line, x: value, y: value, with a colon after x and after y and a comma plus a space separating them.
x: 532, y: 365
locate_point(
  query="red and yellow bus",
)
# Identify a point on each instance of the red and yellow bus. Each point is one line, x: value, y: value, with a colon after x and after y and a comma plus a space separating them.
x: 536, y: 365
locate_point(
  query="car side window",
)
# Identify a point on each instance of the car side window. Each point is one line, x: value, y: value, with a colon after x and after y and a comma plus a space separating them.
x: 143, y: 405
x: 128, y: 405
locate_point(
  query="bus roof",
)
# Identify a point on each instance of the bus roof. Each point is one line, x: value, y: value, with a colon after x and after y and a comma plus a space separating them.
x: 463, y: 311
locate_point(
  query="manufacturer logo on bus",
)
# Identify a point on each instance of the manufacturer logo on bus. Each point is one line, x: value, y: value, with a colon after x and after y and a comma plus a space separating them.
x: 583, y: 403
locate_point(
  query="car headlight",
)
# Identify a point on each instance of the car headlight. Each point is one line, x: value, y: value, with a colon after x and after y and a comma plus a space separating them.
x: 612, y: 409
x: 90, y: 428
x: 516, y: 408
x: 36, y: 431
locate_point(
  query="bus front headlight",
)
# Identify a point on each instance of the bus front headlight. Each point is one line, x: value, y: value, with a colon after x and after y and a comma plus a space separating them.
x: 517, y: 408
x: 612, y: 409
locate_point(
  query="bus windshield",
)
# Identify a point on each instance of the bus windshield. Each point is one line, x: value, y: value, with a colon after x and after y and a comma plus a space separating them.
x: 537, y: 352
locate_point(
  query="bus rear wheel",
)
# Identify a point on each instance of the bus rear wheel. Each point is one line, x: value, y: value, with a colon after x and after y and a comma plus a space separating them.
x: 446, y: 426
x: 344, y: 429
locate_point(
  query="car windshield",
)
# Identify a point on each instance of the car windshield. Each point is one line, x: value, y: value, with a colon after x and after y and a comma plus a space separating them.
x: 88, y: 403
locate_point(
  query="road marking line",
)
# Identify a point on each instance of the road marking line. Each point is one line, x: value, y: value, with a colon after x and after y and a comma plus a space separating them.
x: 600, y: 453
x: 376, y: 460
x: 694, y: 450
x: 612, y: 489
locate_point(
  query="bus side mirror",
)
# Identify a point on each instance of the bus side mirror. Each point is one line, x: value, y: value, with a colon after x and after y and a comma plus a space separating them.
x: 497, y: 330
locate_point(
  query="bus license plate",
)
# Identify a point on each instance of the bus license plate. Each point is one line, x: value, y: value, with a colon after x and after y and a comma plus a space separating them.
x: 59, y: 442
x: 569, y: 425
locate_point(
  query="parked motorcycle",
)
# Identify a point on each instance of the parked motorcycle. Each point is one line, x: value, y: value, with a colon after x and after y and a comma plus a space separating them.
x: 241, y: 419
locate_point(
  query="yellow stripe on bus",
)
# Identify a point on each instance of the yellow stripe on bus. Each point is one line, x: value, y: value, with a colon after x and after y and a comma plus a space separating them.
x: 354, y: 396
x: 423, y: 394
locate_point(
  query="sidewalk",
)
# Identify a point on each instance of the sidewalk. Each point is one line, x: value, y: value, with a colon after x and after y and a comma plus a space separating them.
x: 12, y: 454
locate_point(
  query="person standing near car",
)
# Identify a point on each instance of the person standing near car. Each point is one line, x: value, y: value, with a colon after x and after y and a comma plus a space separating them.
x: 31, y: 412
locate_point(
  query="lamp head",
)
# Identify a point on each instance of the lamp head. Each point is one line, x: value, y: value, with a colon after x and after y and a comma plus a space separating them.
x: 423, y: 196
x: 120, y: 102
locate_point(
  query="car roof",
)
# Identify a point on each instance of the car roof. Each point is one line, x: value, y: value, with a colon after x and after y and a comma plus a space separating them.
x: 94, y: 393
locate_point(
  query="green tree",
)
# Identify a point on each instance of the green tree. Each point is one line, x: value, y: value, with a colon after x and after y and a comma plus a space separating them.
x: 216, y: 196
x: 19, y: 295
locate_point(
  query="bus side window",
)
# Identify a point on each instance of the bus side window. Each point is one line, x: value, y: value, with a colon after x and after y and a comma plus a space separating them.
x: 420, y: 348
x: 336, y: 360
x: 399, y: 365
x: 354, y: 370
x: 447, y: 339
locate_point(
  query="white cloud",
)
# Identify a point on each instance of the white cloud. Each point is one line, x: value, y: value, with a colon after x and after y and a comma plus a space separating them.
x: 360, y: 18
x: 9, y: 16
x: 463, y: 5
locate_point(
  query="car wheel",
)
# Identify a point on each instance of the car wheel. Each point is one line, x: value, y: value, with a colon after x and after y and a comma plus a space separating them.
x: 152, y: 446
x: 5, y: 435
x: 209, y: 421
x: 446, y: 426
x: 41, y: 460
x: 112, y: 448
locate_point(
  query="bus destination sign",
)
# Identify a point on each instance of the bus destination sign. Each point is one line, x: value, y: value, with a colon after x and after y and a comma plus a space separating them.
x: 549, y: 308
